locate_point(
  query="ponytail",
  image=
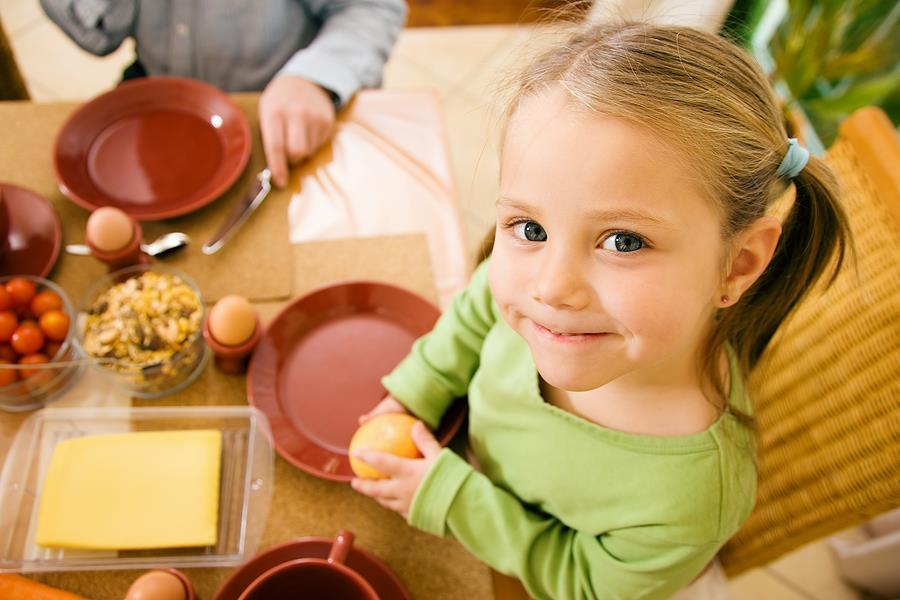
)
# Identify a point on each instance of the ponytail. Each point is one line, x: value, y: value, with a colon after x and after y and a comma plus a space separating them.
x: 815, y: 238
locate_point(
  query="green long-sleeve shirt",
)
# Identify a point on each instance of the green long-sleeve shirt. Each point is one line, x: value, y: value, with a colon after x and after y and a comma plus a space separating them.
x: 573, y: 509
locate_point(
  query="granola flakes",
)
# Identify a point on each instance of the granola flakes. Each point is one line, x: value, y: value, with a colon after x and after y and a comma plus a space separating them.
x: 143, y: 321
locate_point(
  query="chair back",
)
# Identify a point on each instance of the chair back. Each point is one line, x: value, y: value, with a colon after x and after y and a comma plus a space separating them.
x: 826, y: 392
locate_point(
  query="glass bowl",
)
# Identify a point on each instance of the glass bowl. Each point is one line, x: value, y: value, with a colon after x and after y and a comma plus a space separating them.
x: 142, y: 326
x: 36, y: 390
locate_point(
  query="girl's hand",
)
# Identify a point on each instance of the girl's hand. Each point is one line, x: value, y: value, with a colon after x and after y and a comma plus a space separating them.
x: 405, y: 474
x: 388, y: 405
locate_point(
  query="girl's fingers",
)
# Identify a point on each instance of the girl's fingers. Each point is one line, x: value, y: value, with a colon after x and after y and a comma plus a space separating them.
x: 388, y: 464
x: 388, y: 405
x: 391, y: 504
x: 425, y: 441
x: 374, y: 488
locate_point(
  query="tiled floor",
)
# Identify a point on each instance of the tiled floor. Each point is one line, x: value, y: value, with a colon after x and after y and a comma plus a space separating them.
x: 464, y: 65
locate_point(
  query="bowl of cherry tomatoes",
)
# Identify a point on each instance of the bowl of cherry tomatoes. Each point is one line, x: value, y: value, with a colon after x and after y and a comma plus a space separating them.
x: 36, y: 332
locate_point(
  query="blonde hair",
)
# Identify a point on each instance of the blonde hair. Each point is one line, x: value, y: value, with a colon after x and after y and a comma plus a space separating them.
x: 710, y: 100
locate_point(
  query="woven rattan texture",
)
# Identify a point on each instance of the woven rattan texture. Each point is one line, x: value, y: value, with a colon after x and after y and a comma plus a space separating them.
x: 827, y: 393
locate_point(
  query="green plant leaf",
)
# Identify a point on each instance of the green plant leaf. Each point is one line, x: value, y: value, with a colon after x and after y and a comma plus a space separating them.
x: 866, y: 93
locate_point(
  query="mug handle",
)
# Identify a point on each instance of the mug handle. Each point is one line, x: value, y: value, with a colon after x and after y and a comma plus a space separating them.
x: 341, y: 547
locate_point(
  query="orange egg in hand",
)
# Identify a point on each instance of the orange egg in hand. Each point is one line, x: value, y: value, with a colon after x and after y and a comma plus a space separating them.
x: 390, y: 432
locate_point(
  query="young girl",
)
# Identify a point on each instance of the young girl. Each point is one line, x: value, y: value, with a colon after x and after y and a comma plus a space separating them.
x: 636, y: 277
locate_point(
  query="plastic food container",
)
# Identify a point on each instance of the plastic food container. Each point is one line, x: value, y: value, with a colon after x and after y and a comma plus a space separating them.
x: 39, y: 389
x: 245, y: 485
x: 149, y: 376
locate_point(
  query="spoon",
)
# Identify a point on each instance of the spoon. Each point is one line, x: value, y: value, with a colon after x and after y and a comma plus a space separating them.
x: 168, y: 242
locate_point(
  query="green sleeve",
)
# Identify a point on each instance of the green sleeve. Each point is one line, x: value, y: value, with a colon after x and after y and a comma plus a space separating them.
x: 552, y: 560
x: 442, y: 362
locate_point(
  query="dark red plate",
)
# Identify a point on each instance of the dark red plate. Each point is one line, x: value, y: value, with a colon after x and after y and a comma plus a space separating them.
x: 34, y: 235
x: 156, y: 147
x: 318, y: 367
x: 379, y: 576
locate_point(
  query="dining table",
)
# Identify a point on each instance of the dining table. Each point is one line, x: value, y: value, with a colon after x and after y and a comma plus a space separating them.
x: 269, y: 264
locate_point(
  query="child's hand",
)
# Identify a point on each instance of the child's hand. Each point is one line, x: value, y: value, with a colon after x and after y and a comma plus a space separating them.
x: 405, y: 474
x: 388, y: 405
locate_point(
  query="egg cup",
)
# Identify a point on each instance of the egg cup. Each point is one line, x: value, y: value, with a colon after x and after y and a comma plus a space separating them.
x: 232, y: 359
x: 127, y: 256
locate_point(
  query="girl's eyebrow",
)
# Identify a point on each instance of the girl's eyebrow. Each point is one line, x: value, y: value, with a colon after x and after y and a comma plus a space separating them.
x: 619, y: 214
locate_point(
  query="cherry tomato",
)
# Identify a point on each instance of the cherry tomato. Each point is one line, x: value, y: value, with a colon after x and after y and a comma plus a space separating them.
x: 51, y: 349
x: 7, y: 353
x: 33, y: 359
x: 45, y: 301
x: 8, y: 324
x: 8, y: 376
x: 55, y: 325
x: 5, y: 301
x: 27, y: 338
x: 21, y: 291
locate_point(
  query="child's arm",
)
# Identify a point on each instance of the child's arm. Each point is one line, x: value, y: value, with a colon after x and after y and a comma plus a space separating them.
x: 552, y: 560
x: 441, y: 363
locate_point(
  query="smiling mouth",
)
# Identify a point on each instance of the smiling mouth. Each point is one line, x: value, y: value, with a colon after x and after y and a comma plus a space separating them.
x: 561, y: 336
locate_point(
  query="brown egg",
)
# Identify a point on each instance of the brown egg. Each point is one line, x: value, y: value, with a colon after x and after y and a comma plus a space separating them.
x: 232, y: 320
x: 156, y: 585
x: 109, y: 229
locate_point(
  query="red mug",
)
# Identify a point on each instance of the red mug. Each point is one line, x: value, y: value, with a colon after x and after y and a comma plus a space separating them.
x: 313, y: 578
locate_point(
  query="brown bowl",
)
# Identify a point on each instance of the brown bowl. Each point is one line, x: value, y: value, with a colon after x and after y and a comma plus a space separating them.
x: 4, y: 226
x: 314, y: 577
x: 156, y: 147
x: 33, y: 236
x: 319, y: 364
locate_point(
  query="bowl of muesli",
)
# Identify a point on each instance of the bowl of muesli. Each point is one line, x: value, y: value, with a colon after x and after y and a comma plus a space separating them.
x: 143, y: 326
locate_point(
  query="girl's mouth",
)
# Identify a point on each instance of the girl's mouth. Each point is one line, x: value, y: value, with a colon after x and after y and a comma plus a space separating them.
x: 568, y: 337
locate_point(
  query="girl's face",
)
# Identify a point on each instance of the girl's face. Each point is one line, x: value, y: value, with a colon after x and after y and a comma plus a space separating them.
x: 608, y: 257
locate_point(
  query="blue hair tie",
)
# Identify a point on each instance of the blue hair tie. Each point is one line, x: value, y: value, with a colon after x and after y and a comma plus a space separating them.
x: 794, y: 160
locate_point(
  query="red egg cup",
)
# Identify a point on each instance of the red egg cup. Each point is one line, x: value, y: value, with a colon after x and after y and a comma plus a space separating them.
x: 126, y: 256
x: 185, y: 582
x: 232, y: 359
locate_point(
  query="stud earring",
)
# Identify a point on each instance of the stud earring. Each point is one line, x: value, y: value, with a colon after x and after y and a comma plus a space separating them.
x: 725, y: 299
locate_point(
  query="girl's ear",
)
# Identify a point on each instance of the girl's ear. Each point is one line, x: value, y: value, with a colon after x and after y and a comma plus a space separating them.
x: 751, y: 253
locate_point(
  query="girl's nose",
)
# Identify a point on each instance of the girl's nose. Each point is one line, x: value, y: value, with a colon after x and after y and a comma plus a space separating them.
x: 560, y: 284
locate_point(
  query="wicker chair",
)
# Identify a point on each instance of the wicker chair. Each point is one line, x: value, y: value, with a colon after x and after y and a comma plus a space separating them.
x: 827, y: 390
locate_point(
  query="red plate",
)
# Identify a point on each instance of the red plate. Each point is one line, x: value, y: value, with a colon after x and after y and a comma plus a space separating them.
x: 155, y: 147
x: 33, y: 236
x: 318, y: 367
x: 379, y: 576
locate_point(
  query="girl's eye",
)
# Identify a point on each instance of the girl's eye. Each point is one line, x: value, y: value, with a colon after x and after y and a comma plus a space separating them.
x: 623, y: 242
x: 531, y: 231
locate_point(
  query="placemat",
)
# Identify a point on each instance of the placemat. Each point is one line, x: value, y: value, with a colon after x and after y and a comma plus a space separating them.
x: 254, y: 263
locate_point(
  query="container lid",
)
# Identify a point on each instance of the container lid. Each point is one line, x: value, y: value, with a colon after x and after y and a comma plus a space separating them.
x: 246, y: 482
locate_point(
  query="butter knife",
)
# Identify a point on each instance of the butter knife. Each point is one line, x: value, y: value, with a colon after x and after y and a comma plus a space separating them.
x: 240, y: 212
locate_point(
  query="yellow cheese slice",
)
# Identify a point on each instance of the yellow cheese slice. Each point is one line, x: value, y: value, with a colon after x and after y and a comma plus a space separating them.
x: 154, y: 489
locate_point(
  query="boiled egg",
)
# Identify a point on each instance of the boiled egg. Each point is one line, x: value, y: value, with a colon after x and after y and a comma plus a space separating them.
x: 232, y: 320
x: 156, y: 585
x: 109, y: 229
